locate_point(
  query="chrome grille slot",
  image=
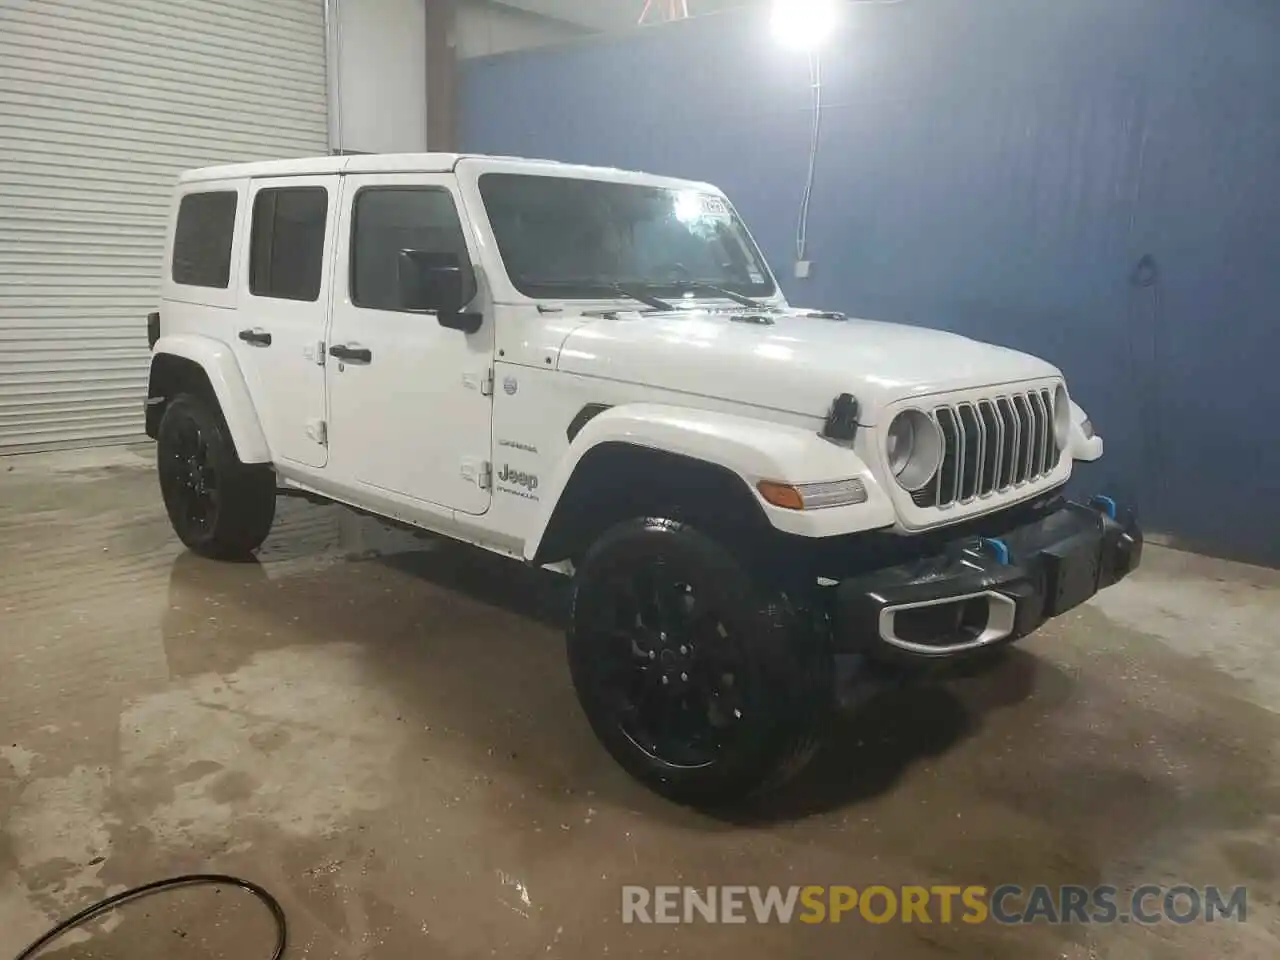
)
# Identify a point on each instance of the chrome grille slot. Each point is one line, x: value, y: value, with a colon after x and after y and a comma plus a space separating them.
x: 1010, y: 445
x: 971, y: 452
x: 1037, y: 435
x: 990, y: 445
x: 948, y: 488
x: 989, y: 470
x: 1051, y: 451
x: 1026, y: 439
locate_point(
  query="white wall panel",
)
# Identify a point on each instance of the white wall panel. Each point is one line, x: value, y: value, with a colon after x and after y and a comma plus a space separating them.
x: 381, y: 76
x: 102, y: 103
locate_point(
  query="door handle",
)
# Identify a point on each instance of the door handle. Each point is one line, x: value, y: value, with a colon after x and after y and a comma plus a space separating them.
x: 351, y: 353
x: 257, y: 336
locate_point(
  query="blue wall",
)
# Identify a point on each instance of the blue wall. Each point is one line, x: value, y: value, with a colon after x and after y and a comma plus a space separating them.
x: 999, y: 168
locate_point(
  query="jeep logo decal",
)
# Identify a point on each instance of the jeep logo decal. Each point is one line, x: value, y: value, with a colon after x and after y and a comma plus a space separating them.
x: 527, y: 480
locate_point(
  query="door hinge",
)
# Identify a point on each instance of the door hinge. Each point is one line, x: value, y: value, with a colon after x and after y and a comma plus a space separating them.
x: 486, y: 383
x: 479, y: 472
x: 318, y: 431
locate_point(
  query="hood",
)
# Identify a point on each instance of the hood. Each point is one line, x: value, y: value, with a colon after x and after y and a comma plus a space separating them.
x: 797, y: 363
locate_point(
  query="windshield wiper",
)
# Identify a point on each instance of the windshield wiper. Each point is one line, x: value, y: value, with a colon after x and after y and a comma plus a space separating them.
x: 600, y: 286
x: 719, y: 291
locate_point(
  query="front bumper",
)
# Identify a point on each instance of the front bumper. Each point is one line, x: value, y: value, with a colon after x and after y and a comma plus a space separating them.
x: 981, y: 592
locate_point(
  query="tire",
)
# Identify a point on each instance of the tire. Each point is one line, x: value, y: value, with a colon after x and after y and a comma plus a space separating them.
x: 218, y: 506
x: 749, y: 678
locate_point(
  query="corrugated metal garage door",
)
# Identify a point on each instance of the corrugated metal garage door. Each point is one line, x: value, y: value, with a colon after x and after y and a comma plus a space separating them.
x: 102, y: 103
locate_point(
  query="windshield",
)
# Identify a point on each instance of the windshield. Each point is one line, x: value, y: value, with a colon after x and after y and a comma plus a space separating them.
x: 566, y: 238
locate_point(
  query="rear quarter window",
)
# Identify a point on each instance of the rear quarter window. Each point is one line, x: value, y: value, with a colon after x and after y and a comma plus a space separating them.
x: 202, y: 239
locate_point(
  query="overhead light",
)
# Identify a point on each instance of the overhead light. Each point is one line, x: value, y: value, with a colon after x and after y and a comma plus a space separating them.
x: 803, y: 24
x: 688, y: 206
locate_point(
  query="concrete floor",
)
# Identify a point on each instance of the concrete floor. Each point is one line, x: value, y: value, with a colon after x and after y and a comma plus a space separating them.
x: 382, y: 731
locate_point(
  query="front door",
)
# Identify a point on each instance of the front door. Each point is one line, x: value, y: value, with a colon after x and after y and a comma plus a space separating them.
x: 409, y: 404
x: 283, y: 311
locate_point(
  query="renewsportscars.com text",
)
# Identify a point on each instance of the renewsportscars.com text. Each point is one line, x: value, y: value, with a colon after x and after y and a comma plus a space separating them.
x: 973, y: 904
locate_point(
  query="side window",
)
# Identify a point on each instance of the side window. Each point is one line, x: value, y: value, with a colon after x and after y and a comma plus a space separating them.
x: 202, y: 239
x: 286, y: 247
x: 387, y: 220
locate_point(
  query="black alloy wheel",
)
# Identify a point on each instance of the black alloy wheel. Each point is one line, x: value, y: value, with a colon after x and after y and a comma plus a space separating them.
x: 668, y: 664
x: 218, y: 506
x: 189, y: 480
x: 702, y: 684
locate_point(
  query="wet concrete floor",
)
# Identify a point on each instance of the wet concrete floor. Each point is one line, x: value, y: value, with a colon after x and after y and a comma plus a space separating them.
x: 381, y: 730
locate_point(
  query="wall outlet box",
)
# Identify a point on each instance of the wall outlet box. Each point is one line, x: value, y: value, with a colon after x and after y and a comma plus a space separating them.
x: 802, y: 269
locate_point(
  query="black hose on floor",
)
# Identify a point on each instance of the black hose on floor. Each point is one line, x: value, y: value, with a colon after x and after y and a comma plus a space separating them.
x: 172, y: 883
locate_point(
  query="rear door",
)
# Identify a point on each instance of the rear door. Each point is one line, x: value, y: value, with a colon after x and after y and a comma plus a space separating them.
x: 410, y: 402
x: 283, y: 311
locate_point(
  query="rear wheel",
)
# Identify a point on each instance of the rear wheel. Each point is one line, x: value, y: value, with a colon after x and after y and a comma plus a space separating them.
x: 702, y: 685
x: 218, y: 506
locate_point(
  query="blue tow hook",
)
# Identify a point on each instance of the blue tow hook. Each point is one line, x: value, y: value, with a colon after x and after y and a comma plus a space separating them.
x: 999, y: 548
x: 1105, y: 504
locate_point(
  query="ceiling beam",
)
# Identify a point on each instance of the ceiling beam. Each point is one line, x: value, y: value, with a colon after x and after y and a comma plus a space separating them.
x: 596, y: 15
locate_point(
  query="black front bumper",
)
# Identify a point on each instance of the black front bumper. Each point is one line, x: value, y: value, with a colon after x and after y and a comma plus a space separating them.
x: 981, y: 592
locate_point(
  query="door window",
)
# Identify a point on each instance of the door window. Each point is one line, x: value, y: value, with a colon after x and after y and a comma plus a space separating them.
x: 387, y: 220
x: 286, y: 252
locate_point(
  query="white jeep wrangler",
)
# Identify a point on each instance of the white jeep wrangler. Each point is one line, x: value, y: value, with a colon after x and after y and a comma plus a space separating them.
x: 594, y: 370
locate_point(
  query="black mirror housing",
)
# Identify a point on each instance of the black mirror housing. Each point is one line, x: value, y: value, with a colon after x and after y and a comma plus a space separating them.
x: 438, y: 282
x: 468, y: 321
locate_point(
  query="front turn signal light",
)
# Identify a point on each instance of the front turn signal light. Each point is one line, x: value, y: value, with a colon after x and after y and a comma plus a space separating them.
x: 813, y: 496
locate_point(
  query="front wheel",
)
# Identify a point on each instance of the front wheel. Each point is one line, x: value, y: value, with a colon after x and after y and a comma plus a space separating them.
x: 702, y: 685
x: 218, y: 506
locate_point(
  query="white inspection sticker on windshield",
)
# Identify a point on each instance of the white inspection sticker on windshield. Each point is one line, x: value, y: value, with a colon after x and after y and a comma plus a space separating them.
x: 714, y: 207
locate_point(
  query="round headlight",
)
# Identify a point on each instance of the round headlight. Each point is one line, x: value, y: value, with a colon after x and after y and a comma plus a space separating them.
x: 1061, y: 417
x: 914, y: 448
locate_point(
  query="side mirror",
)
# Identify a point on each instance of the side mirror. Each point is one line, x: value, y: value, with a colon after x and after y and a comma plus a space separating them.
x: 439, y: 283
